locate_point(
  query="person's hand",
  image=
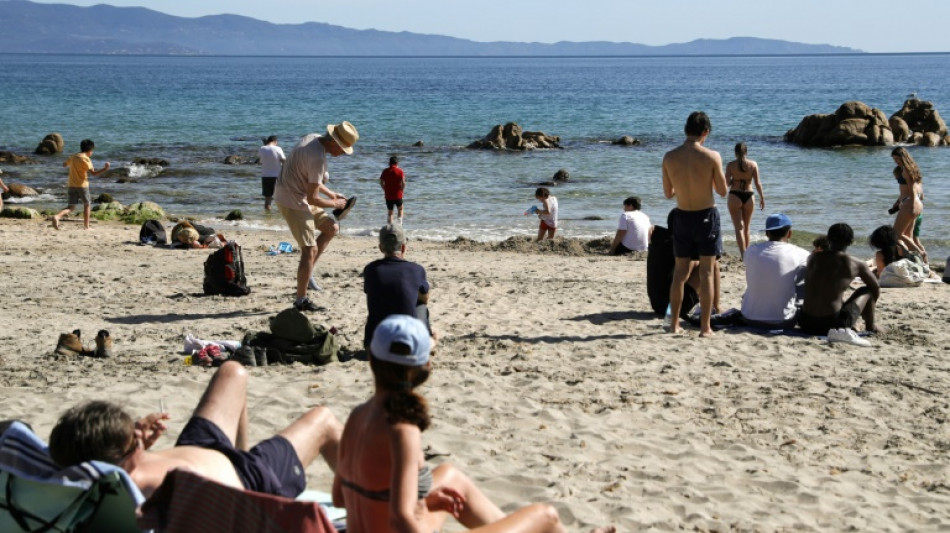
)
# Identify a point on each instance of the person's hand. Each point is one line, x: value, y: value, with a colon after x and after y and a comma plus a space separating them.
x: 761, y: 204
x: 339, y: 203
x: 150, y: 427
x: 445, y: 499
x: 339, y: 196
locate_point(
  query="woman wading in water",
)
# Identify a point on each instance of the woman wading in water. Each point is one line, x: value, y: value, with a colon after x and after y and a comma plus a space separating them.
x: 910, y: 203
x: 740, y: 175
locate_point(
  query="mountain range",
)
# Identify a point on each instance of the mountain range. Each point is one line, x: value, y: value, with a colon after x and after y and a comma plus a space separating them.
x: 29, y: 27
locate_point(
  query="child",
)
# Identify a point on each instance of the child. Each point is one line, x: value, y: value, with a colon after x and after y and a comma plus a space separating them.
x: 547, y: 214
x: 80, y: 166
x: 633, y: 230
x: 272, y: 159
x: 5, y: 189
x: 393, y: 182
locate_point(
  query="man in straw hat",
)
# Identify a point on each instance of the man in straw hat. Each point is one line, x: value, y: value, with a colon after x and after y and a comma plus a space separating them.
x: 301, y: 195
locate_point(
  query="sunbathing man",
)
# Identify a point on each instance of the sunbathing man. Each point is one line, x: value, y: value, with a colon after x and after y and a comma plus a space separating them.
x: 212, y: 444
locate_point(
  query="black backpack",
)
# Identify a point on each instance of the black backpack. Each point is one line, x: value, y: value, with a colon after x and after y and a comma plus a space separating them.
x: 153, y: 232
x: 224, y: 272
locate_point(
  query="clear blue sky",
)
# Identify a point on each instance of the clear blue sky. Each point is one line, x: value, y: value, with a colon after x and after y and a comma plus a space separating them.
x: 869, y: 25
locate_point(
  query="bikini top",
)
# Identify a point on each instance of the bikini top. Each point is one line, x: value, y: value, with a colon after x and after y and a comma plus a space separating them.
x: 425, y: 485
x: 899, y: 176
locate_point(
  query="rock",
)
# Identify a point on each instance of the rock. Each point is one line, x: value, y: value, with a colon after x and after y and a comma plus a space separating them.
x: 921, y: 117
x: 150, y: 161
x: 930, y: 139
x: 20, y: 212
x: 561, y: 175
x: 11, y: 158
x: 103, y: 198
x: 51, y: 144
x: 419, y: 144
x: 512, y: 137
x: 900, y: 129
x: 852, y: 123
x: 108, y: 211
x: 18, y: 190
x: 126, y: 179
x: 233, y: 160
x: 140, y: 212
x: 946, y: 140
x: 627, y: 140
x: 915, y: 138
x: 235, y: 215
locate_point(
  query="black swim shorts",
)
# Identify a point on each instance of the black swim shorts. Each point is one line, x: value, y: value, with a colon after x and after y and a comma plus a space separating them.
x: 271, y: 467
x: 390, y: 204
x: 695, y: 233
x: 847, y: 317
x: 267, y: 186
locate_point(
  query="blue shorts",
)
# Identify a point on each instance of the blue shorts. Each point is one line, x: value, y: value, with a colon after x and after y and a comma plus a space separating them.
x: 271, y: 467
x: 695, y: 233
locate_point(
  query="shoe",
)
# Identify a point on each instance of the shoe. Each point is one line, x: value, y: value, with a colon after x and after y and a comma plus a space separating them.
x: 103, y: 344
x: 70, y: 344
x: 340, y: 214
x: 312, y: 285
x: 306, y: 304
x: 847, y: 335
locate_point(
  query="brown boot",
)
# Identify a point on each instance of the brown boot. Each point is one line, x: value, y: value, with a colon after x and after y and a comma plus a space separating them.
x: 70, y: 344
x: 103, y: 344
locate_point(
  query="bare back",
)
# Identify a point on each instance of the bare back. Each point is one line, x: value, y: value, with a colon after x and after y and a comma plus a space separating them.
x: 827, y: 275
x: 742, y: 180
x: 691, y: 172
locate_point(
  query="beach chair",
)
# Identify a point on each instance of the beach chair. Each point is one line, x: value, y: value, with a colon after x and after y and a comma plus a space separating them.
x: 189, y: 503
x: 36, y: 495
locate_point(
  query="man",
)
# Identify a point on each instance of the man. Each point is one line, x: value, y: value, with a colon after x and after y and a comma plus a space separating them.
x: 827, y: 275
x: 393, y: 182
x: 691, y: 172
x: 393, y: 285
x: 212, y: 444
x: 772, y: 270
x: 633, y: 229
x: 272, y: 158
x: 301, y: 195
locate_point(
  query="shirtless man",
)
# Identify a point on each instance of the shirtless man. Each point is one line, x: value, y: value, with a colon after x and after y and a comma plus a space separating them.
x: 691, y: 172
x: 212, y: 444
x: 828, y: 274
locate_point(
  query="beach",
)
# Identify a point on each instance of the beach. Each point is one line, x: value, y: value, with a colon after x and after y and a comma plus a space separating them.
x: 553, y: 380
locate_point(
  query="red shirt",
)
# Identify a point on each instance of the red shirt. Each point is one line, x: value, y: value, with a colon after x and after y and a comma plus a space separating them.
x: 392, y: 179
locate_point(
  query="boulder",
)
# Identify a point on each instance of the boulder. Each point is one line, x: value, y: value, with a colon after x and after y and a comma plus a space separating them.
x: 18, y: 190
x: 627, y: 140
x: 103, y: 198
x: 852, y: 123
x: 419, y: 144
x: 11, y: 158
x: 108, y: 211
x: 899, y: 128
x: 561, y: 175
x: 51, y: 144
x: 20, y: 212
x: 235, y: 215
x: 930, y: 139
x: 921, y: 116
x: 150, y: 161
x: 512, y: 137
x: 915, y: 138
x: 140, y: 212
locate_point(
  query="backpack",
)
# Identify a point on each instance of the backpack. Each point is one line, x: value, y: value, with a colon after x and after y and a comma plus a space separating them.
x: 153, y: 232
x: 902, y: 273
x: 224, y: 272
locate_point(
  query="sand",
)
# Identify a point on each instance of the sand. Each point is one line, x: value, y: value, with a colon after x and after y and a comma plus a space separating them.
x: 553, y: 382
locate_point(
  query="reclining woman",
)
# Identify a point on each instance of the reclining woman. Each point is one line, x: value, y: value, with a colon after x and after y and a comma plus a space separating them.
x: 188, y: 235
x: 381, y: 476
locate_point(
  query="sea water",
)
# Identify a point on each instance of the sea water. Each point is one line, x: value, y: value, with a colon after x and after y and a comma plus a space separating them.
x: 195, y: 111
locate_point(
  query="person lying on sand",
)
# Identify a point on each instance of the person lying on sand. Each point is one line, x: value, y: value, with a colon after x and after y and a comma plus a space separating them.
x: 212, y: 444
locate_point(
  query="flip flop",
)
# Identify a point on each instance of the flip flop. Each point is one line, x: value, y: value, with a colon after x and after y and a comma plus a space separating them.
x: 340, y: 214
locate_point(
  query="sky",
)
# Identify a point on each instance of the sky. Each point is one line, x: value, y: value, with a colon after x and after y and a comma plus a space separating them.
x: 879, y: 26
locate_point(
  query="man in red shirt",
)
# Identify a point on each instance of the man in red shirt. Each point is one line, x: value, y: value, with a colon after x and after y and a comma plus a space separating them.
x: 393, y: 182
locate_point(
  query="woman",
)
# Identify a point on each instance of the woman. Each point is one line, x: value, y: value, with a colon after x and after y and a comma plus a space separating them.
x: 381, y: 476
x: 889, y: 247
x: 740, y: 175
x: 910, y: 202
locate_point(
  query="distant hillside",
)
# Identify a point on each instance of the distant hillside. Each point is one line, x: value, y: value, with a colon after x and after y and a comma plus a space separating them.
x: 102, y: 29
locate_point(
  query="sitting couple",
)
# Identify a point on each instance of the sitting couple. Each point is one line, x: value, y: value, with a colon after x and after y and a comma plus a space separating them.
x: 787, y: 285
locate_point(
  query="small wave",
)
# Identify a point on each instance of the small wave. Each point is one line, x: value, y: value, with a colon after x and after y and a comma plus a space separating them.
x: 144, y: 171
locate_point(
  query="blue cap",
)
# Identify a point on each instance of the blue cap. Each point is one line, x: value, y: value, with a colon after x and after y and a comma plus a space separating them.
x: 403, y: 329
x: 776, y: 221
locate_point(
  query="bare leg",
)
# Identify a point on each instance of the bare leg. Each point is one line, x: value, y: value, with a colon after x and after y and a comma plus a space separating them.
x: 707, y: 266
x: 735, y: 211
x: 267, y: 201
x: 747, y: 209
x: 866, y: 304
x: 308, y: 257
x: 716, y: 280
x: 316, y: 432
x: 541, y: 232
x: 400, y: 214
x: 478, y: 509
x: 225, y: 402
x: 389, y: 216
x: 86, y: 212
x: 61, y: 214
x: 681, y: 272
x: 328, y: 230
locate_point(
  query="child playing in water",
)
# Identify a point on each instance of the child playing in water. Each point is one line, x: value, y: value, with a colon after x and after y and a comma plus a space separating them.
x: 80, y: 166
x: 547, y: 213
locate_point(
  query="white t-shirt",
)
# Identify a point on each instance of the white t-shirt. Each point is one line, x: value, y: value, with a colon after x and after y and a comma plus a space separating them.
x: 637, y: 225
x: 307, y: 164
x: 551, y: 218
x: 770, y: 271
x: 271, y: 159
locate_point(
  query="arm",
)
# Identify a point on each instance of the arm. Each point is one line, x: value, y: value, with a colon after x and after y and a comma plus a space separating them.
x: 879, y: 264
x: 668, y: 189
x: 149, y: 428
x: 314, y: 198
x: 729, y: 175
x: 104, y: 168
x: 758, y: 185
x: 403, y: 503
x: 868, y: 277
x: 718, y: 178
x: 617, y: 238
x: 544, y: 208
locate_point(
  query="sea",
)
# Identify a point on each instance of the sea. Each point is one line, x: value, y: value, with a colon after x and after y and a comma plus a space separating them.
x: 196, y: 111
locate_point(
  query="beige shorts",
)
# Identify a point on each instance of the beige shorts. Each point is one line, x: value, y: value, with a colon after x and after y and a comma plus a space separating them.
x: 303, y: 225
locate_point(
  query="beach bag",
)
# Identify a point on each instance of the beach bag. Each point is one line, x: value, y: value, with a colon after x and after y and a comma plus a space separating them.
x: 946, y: 272
x: 660, y: 264
x: 224, y: 272
x: 153, y: 232
x: 902, y: 273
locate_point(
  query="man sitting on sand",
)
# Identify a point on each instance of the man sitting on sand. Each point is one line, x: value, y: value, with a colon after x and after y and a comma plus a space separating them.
x: 212, y: 444
x: 772, y: 270
x: 827, y: 275
x: 691, y: 172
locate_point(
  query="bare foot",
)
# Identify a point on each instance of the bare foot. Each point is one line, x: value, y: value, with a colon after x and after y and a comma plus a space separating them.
x: 56, y: 222
x: 608, y: 529
x: 707, y: 333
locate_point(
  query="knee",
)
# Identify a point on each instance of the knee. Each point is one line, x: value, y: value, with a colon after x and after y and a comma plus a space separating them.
x: 545, y: 514
x: 232, y: 370
x: 321, y: 418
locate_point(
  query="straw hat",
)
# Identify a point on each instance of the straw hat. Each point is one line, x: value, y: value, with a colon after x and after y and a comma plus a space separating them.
x: 345, y: 135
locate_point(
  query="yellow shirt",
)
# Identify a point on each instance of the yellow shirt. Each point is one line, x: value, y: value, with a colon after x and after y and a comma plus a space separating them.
x: 79, y: 165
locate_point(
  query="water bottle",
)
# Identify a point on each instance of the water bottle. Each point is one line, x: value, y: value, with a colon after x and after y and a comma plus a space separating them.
x: 668, y: 319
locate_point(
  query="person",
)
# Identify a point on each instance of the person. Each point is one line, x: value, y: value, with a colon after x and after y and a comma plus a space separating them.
x: 820, y: 244
x: 393, y: 182
x: 188, y: 235
x: 212, y: 444
x: 5, y: 190
x: 301, y: 195
x: 80, y: 166
x: 382, y: 478
x: 910, y: 202
x: 889, y: 247
x: 633, y: 229
x: 272, y: 159
x: 827, y: 275
x: 741, y: 174
x: 691, y: 173
x: 772, y: 271
x: 547, y: 213
x: 393, y: 285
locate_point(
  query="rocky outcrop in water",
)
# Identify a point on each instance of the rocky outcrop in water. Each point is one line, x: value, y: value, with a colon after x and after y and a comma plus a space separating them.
x: 51, y: 144
x: 920, y: 117
x: 512, y: 137
x: 627, y: 140
x: 150, y: 161
x: 855, y: 123
x: 11, y: 158
x: 18, y: 190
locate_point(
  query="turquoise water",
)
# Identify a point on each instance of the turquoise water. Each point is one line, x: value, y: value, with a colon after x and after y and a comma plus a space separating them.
x: 194, y: 111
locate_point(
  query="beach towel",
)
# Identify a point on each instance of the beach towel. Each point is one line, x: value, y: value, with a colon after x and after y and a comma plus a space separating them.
x: 660, y: 264
x: 189, y: 503
x: 36, y: 495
